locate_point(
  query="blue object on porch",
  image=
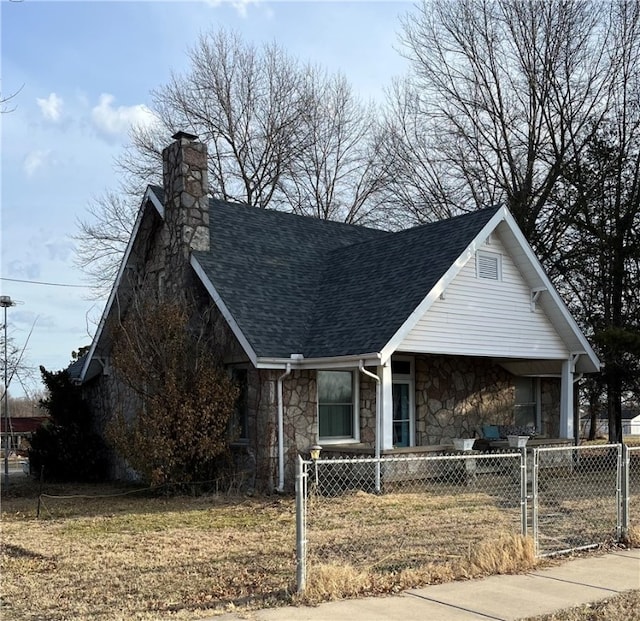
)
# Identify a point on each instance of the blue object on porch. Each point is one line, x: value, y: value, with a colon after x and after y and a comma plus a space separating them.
x: 491, y: 432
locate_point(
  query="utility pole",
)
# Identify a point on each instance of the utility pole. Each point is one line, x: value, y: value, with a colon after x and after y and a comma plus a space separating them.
x: 6, y: 302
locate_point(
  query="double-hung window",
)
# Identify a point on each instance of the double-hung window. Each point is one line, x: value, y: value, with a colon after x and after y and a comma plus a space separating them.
x: 337, y: 405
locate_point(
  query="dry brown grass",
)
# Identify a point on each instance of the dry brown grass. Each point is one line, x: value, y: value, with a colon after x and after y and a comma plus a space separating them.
x: 331, y: 581
x: 395, y: 532
x: 144, y: 558
x: 633, y: 536
x: 623, y: 607
x: 148, y: 558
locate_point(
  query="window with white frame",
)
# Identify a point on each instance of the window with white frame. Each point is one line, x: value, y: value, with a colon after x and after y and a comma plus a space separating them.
x: 337, y: 405
x: 488, y: 265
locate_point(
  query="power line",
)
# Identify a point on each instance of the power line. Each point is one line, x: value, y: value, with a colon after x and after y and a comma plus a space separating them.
x: 50, y: 284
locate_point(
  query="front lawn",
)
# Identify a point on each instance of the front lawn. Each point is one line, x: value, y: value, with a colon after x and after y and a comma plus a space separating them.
x: 132, y: 557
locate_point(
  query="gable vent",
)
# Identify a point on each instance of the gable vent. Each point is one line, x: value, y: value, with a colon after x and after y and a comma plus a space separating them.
x: 488, y: 265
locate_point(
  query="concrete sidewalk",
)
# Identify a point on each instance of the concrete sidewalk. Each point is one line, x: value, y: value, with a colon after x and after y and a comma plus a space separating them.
x: 503, y: 598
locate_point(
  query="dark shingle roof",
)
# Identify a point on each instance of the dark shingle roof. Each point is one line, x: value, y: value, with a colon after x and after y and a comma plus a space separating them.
x: 369, y: 290
x: 267, y: 267
x: 296, y: 284
x: 75, y: 368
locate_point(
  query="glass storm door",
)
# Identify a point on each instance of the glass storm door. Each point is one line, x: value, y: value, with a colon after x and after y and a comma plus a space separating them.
x: 401, y: 414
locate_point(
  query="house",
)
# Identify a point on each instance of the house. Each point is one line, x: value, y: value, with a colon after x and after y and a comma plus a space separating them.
x: 353, y: 338
x: 16, y: 431
x: 630, y: 423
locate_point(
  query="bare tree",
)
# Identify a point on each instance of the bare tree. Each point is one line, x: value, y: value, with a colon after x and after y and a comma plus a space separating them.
x: 4, y: 100
x: 418, y: 185
x: 599, y: 197
x: 102, y: 238
x: 506, y: 89
x: 281, y: 134
x: 534, y: 103
x: 335, y: 176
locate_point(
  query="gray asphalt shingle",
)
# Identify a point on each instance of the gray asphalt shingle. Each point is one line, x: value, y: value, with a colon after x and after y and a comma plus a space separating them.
x: 301, y: 285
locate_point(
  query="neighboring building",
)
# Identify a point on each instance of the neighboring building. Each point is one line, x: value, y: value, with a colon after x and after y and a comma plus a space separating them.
x: 630, y: 423
x: 17, y: 433
x: 354, y: 338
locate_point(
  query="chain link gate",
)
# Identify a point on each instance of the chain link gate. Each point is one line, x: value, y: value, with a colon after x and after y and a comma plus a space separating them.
x: 631, y: 492
x: 577, y: 497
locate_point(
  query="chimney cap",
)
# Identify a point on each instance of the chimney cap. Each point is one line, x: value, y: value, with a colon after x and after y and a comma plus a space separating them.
x: 186, y: 135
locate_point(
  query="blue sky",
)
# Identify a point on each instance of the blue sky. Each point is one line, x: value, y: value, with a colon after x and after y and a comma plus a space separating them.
x: 83, y: 72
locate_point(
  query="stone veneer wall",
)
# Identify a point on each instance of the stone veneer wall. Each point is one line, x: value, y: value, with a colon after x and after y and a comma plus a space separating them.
x: 456, y: 395
x: 300, y: 420
x: 367, y: 409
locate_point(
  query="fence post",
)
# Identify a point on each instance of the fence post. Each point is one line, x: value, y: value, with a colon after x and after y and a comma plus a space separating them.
x: 534, y: 490
x: 301, y: 526
x: 523, y: 490
x: 624, y: 493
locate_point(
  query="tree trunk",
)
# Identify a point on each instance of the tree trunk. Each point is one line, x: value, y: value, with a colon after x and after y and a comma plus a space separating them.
x: 593, y: 414
x: 614, y: 406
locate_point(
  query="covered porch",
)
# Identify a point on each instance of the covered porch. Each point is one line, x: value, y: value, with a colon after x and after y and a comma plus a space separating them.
x: 420, y: 403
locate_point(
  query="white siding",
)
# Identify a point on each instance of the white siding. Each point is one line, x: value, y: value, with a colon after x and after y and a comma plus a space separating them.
x: 481, y: 317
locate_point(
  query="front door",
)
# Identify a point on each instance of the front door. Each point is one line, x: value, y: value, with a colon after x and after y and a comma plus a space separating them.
x: 402, y: 423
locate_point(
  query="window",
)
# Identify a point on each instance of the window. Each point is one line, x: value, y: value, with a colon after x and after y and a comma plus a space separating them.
x: 489, y: 265
x: 239, y: 427
x: 336, y: 410
x: 526, y: 407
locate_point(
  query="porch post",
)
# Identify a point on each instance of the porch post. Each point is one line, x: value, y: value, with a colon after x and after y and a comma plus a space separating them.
x: 386, y: 409
x: 566, y: 398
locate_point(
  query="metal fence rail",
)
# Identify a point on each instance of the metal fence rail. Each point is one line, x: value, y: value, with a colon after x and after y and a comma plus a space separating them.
x: 576, y: 497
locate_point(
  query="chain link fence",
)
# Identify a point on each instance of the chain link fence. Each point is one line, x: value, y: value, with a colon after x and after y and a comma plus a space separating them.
x: 631, y: 492
x: 406, y: 513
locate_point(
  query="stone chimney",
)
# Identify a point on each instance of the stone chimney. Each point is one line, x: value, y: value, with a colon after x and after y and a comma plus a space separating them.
x: 186, y: 204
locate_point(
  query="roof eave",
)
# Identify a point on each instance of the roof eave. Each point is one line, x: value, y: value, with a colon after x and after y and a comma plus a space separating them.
x: 582, y: 346
x: 440, y: 287
x: 222, y: 307
x: 149, y: 195
x: 327, y: 362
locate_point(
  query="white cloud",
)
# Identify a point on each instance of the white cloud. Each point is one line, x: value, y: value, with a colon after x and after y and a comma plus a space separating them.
x: 111, y: 120
x: 21, y: 269
x: 240, y: 6
x: 35, y: 160
x: 51, y: 107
